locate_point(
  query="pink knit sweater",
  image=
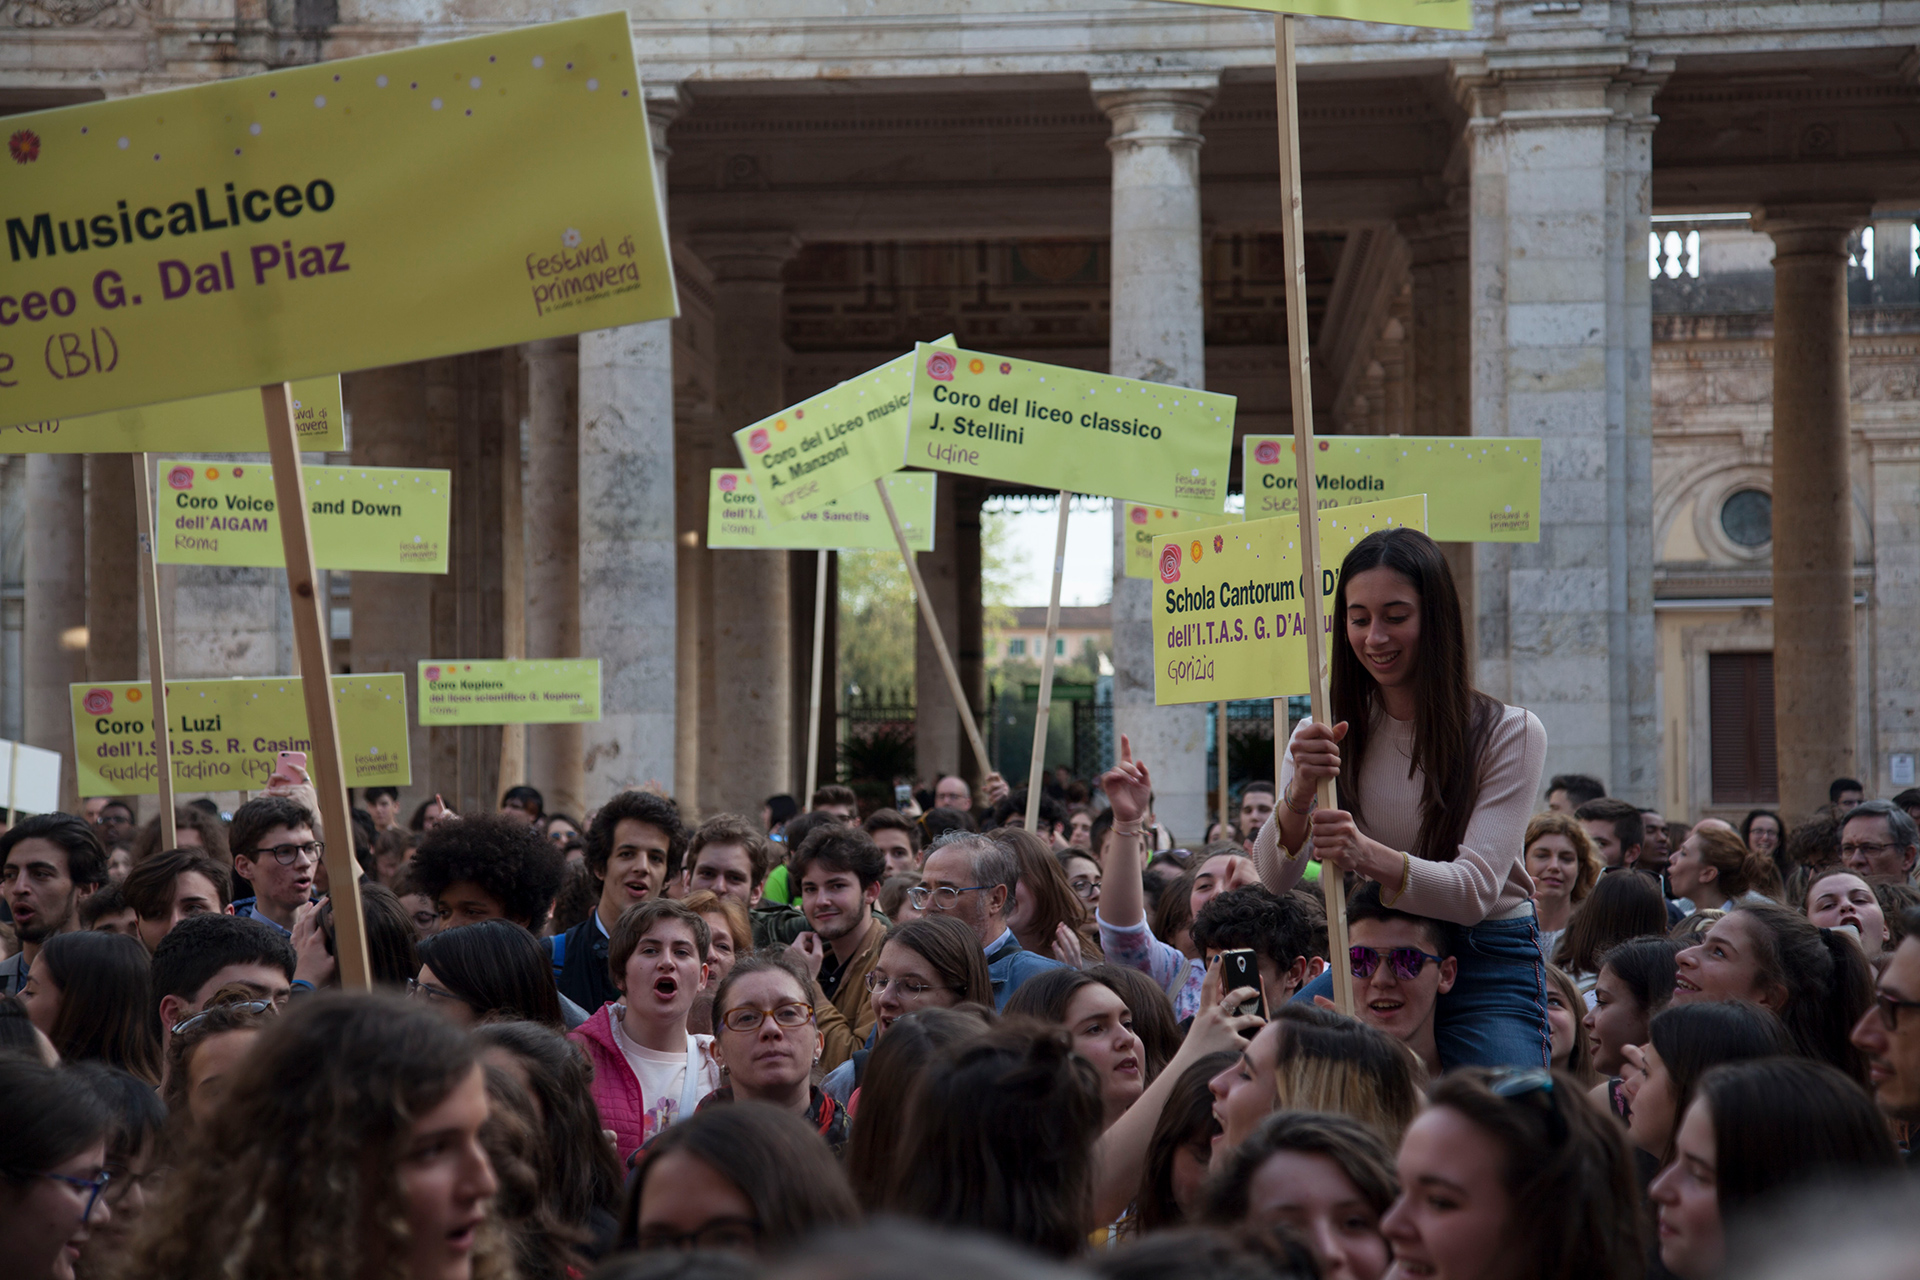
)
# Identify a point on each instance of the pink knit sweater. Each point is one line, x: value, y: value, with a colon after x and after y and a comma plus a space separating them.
x: 1488, y: 879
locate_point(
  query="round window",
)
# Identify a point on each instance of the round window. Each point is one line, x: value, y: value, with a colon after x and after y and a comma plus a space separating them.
x: 1747, y: 518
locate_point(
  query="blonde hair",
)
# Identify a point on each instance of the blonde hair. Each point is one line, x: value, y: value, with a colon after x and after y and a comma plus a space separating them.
x: 739, y: 924
x: 1330, y: 1063
x: 1565, y: 824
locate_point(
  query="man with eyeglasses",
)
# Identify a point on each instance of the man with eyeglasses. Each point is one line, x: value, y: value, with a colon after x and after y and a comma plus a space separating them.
x: 1878, y: 843
x: 1889, y: 1032
x: 972, y: 878
x: 1400, y: 970
x: 275, y: 851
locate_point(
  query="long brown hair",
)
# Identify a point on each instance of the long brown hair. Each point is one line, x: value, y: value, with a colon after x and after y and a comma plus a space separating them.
x: 1054, y: 901
x: 1451, y: 720
x: 297, y: 1176
x: 107, y: 1010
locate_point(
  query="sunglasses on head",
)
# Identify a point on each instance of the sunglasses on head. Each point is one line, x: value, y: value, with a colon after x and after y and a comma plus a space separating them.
x: 1406, y: 961
x: 1532, y: 1086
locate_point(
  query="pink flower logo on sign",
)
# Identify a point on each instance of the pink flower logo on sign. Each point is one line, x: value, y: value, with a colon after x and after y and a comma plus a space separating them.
x: 940, y: 367
x: 1219, y: 544
x: 98, y: 702
x: 1139, y: 515
x: 729, y: 483
x: 759, y: 441
x: 180, y: 478
x: 433, y: 675
x: 1170, y: 562
x: 1266, y: 453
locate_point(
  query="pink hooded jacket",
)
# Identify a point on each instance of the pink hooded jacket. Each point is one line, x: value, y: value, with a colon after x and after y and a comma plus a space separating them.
x: 616, y: 1090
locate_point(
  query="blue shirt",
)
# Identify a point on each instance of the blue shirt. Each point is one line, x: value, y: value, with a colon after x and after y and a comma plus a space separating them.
x: 1010, y: 966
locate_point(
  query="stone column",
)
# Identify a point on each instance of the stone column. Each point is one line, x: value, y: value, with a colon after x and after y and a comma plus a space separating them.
x: 1813, y: 622
x: 627, y: 593
x: 1560, y: 159
x: 1441, y: 317
x: 555, y: 752
x: 938, y: 742
x: 55, y: 642
x: 1158, y: 333
x: 113, y: 579
x: 746, y: 736
x: 393, y: 613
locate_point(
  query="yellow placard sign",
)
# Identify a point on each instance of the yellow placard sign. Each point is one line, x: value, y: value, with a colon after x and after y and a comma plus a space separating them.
x: 226, y: 733
x: 857, y: 522
x: 231, y: 422
x: 1146, y: 523
x: 1046, y: 425
x: 510, y: 691
x: 1479, y: 488
x: 369, y: 211
x: 1447, y: 15
x: 1229, y: 620
x: 833, y: 444
x: 388, y: 519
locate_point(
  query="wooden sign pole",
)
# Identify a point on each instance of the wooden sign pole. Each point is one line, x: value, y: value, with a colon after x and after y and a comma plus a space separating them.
x: 310, y: 640
x: 819, y: 670
x: 156, y: 650
x: 1036, y: 772
x: 1300, y: 374
x: 1220, y: 749
x: 960, y: 699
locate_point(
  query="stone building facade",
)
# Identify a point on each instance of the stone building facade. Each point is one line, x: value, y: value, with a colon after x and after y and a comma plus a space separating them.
x: 1094, y: 182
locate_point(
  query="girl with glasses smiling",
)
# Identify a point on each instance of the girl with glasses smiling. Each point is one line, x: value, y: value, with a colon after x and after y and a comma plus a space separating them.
x: 766, y: 1040
x: 931, y: 963
x: 52, y: 1169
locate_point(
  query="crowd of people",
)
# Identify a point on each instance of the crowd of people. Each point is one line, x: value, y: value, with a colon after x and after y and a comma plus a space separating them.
x: 1584, y: 1043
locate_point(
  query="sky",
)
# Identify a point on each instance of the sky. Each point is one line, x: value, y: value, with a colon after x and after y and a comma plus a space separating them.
x: 1088, y: 576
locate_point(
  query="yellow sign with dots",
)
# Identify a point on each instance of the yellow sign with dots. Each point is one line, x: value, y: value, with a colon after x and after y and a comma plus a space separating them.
x: 369, y: 211
x: 1229, y: 618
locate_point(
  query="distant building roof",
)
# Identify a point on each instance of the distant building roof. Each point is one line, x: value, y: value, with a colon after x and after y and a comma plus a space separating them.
x: 1098, y: 617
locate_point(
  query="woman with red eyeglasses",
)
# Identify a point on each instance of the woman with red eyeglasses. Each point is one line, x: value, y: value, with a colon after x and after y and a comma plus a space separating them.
x: 1435, y: 782
x: 766, y: 1040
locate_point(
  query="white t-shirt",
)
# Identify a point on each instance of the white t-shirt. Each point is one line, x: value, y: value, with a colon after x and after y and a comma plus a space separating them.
x: 663, y: 1076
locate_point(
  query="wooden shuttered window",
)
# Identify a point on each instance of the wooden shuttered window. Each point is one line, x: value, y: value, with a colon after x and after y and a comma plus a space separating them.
x: 1740, y: 726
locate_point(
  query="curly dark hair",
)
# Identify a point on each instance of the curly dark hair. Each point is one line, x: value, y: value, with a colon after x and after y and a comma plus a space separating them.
x: 1274, y: 926
x: 509, y: 860
x: 297, y: 1176
x: 639, y: 806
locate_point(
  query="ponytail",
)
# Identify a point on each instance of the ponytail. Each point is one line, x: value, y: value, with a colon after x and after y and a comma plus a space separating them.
x: 1827, y: 980
x: 1741, y: 870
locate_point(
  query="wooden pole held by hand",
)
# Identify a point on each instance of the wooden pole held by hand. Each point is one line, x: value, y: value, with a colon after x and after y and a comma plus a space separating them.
x: 323, y: 726
x: 1300, y: 374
